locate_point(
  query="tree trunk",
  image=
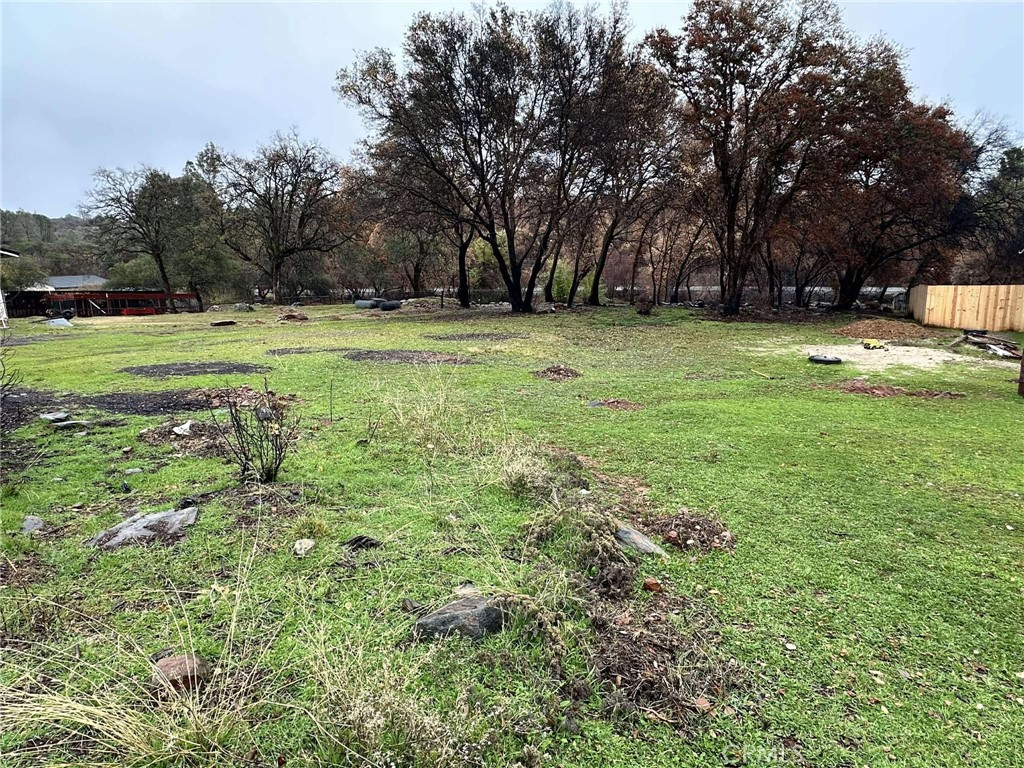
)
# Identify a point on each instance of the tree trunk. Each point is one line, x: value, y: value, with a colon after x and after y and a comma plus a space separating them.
x: 850, y: 283
x: 594, y: 299
x: 549, y: 285
x: 1020, y: 385
x: 165, y: 282
x: 464, y: 274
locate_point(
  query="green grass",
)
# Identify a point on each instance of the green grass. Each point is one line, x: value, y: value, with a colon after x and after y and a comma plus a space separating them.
x: 884, y: 538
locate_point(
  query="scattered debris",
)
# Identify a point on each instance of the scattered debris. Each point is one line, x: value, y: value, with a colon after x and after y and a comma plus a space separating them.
x: 183, y: 430
x: 164, y: 370
x: 557, y: 373
x: 863, y: 387
x: 631, y: 538
x: 302, y: 547
x: 54, y: 416
x: 406, y: 356
x: 923, y: 357
x: 486, y: 336
x: 59, y: 322
x: 162, y: 527
x: 890, y: 330
x: 181, y: 674
x: 991, y: 344
x: 222, y: 323
x: 689, y: 531
x: 474, y: 617
x: 202, y: 439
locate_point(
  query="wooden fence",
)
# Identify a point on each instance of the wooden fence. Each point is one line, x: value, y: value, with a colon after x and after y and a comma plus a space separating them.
x: 989, y: 307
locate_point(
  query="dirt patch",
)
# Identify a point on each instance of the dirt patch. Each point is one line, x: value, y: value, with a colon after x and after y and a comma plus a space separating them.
x: 165, y: 370
x: 410, y: 356
x: 305, y: 350
x: 156, y: 403
x: 618, y: 404
x: 21, y: 341
x: 25, y: 570
x: 888, y: 330
x: 475, y: 336
x: 557, y: 373
x: 863, y: 387
x: 690, y: 532
x: 22, y: 405
x: 912, y: 357
x: 203, y: 440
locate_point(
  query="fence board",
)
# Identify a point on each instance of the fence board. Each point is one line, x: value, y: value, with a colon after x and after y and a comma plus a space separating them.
x: 992, y: 307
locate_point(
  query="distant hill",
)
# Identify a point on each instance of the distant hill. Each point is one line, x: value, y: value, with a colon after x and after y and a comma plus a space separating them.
x: 57, y: 246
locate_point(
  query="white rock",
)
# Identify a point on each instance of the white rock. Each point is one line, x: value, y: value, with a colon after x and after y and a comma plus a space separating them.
x: 302, y: 547
x: 184, y: 429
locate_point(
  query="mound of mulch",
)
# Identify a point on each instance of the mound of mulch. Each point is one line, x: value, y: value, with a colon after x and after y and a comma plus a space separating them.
x: 862, y: 387
x: 649, y: 666
x: 689, y: 531
x: 410, y: 356
x: 557, y: 373
x: 475, y: 336
x: 165, y: 370
x: 887, y: 330
x: 618, y: 404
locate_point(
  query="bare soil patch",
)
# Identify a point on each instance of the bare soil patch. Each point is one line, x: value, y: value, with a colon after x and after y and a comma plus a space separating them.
x: 618, y: 404
x: 863, y: 387
x: 888, y: 330
x: 557, y: 373
x: 203, y: 440
x: 912, y: 357
x: 488, y: 336
x: 147, y: 403
x: 165, y: 370
x: 410, y: 356
x: 305, y: 350
x: 22, y: 405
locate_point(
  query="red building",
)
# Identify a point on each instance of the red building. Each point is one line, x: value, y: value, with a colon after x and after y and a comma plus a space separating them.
x: 85, y: 295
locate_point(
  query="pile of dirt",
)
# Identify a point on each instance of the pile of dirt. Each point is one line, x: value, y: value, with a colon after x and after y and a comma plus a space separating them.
x: 474, y: 336
x: 887, y: 330
x: 244, y: 396
x: 863, y: 387
x: 156, y: 403
x: 689, y: 531
x: 413, y: 357
x: 204, y: 439
x: 165, y: 370
x: 557, y: 373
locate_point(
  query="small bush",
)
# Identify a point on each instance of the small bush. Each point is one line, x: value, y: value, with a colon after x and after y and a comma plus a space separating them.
x: 260, y: 431
x: 9, y: 377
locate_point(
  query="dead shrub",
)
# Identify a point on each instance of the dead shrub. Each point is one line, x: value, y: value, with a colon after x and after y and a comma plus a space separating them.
x: 9, y: 375
x: 260, y: 431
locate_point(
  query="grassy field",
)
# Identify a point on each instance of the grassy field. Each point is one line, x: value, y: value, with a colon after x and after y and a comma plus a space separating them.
x: 870, y: 613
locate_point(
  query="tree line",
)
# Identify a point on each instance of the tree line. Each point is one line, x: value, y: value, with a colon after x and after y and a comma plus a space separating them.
x: 553, y: 152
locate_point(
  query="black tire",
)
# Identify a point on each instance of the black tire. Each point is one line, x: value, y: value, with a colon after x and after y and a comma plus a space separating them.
x: 68, y: 314
x: 389, y: 306
x: 825, y: 359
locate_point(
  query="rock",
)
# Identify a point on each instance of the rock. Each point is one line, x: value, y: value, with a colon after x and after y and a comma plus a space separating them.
x: 595, y: 404
x: 58, y: 479
x: 31, y: 523
x: 54, y: 416
x: 302, y: 547
x: 182, y: 673
x: 183, y: 429
x: 243, y: 307
x: 70, y: 424
x: 214, y: 308
x: 163, y: 527
x: 653, y: 585
x: 366, y: 304
x: 220, y: 323
x: 133, y: 471
x: 413, y: 606
x: 474, y: 617
x: 632, y: 538
x: 264, y: 413
x: 299, y: 317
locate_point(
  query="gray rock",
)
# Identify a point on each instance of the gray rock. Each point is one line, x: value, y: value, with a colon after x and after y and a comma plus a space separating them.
x: 595, y: 404
x: 54, y: 416
x: 70, y: 424
x: 164, y: 527
x: 243, y: 307
x: 632, y: 538
x: 474, y: 617
x: 133, y: 471
x: 31, y: 523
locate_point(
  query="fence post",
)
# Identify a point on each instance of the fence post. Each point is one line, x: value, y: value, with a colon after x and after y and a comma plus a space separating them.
x: 1020, y: 381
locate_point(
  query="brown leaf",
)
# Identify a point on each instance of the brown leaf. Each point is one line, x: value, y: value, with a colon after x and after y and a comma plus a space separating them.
x: 653, y: 585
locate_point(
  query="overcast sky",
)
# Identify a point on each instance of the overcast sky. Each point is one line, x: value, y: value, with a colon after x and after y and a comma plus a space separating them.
x: 96, y: 84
